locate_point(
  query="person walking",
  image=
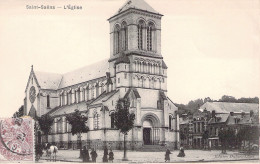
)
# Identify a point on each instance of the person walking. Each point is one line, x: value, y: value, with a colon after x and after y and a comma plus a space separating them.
x: 105, y: 154
x: 181, y: 153
x: 85, y: 154
x: 167, y: 155
x: 111, y: 156
x: 93, y: 155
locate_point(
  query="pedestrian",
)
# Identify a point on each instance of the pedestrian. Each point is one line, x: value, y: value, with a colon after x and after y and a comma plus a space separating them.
x: 85, y: 154
x: 181, y: 153
x: 105, y: 154
x: 111, y: 156
x: 167, y: 155
x: 93, y: 155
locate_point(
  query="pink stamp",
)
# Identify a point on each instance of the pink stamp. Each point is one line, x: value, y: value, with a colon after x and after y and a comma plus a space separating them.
x: 16, y: 139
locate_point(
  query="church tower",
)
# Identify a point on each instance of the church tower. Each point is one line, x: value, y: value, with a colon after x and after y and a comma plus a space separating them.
x: 135, y: 48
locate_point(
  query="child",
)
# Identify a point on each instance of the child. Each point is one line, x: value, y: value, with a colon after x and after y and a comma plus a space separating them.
x: 167, y: 155
x: 111, y: 156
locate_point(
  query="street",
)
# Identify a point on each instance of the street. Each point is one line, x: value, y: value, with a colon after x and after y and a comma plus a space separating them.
x: 158, y: 157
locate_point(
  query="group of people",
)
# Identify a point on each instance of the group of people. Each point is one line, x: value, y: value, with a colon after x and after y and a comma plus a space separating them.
x: 168, y: 152
x: 107, y: 157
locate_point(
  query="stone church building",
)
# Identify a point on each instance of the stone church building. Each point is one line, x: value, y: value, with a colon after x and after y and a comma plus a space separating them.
x: 134, y: 70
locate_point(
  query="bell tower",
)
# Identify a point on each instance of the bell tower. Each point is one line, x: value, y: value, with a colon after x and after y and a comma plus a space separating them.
x: 135, y: 48
x: 136, y: 27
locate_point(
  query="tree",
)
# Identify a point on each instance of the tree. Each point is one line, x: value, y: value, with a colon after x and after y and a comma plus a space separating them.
x: 227, y: 138
x: 78, y: 125
x: 124, y: 120
x: 45, y: 122
x: 19, y: 113
x: 205, y: 136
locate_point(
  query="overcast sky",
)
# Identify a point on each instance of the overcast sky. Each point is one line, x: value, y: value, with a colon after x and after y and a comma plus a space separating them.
x: 211, y: 47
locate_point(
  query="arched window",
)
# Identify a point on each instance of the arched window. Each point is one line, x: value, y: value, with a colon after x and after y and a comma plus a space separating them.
x: 170, y: 122
x: 150, y: 36
x: 48, y: 101
x: 112, y: 120
x: 96, y: 121
x: 140, y: 34
x: 63, y: 98
x: 78, y: 95
x: 117, y: 39
x: 68, y: 98
x: 124, y: 36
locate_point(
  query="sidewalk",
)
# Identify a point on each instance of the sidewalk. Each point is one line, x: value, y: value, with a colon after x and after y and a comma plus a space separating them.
x: 158, y: 157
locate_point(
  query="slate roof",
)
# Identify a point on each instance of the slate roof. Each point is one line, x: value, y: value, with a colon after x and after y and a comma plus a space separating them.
x: 136, y: 4
x: 227, y: 107
x: 69, y: 109
x: 86, y: 73
x: 136, y: 93
x: 55, y: 81
x: 122, y: 59
x: 184, y: 121
x: 103, y: 97
x: 48, y: 80
x: 162, y: 95
x: 220, y: 118
x: 164, y: 66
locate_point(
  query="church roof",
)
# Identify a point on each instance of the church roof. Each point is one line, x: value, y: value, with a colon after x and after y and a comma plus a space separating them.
x: 136, y: 4
x: 122, y: 59
x: 136, y: 93
x: 86, y: 73
x: 48, y: 80
x: 227, y: 107
x: 55, y: 81
x: 103, y: 97
x: 164, y: 66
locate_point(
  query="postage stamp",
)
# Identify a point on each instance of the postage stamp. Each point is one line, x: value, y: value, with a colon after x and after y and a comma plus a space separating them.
x: 17, y: 139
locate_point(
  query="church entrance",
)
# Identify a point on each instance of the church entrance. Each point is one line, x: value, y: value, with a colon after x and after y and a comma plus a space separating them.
x: 151, y: 132
x: 147, y: 136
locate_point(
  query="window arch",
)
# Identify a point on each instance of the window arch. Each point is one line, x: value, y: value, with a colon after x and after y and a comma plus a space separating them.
x: 170, y: 122
x: 112, y: 120
x: 150, y: 36
x: 124, y: 36
x: 141, y: 26
x: 48, y: 101
x: 117, y: 39
x: 96, y: 121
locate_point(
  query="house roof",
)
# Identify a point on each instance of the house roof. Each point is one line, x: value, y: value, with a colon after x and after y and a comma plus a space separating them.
x: 220, y: 118
x: 227, y: 107
x: 55, y: 81
x: 184, y: 121
x: 136, y: 4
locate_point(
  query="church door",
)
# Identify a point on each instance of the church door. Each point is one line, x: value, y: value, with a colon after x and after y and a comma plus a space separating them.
x: 147, y: 136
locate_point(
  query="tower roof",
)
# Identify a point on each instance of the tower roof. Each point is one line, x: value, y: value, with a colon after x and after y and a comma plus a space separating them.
x: 136, y: 4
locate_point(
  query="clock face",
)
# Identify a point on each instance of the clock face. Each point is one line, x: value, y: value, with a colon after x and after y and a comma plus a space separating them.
x: 32, y: 94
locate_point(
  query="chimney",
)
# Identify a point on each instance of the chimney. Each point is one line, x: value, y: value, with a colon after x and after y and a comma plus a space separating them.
x: 231, y: 113
x: 251, y: 113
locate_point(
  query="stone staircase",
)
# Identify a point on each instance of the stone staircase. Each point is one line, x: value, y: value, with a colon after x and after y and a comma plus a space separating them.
x: 152, y: 148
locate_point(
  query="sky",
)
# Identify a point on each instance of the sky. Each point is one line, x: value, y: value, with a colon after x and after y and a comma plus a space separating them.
x: 211, y: 47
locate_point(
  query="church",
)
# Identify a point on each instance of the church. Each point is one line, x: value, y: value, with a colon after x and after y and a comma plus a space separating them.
x: 135, y: 70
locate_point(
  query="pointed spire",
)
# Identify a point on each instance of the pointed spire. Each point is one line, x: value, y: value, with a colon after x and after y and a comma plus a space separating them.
x: 31, y: 67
